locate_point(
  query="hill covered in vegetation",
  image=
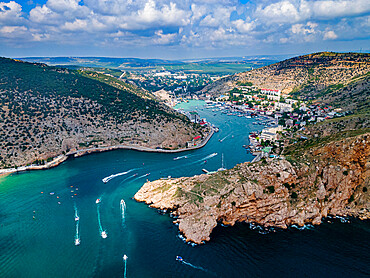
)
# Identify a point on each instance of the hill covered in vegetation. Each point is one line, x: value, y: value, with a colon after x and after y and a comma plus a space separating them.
x: 45, y: 111
x: 333, y: 78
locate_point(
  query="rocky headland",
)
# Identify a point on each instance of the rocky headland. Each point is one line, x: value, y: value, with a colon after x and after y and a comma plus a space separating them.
x: 330, y: 178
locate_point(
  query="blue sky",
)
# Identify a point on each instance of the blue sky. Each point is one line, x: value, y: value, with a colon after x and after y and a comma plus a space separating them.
x: 181, y: 28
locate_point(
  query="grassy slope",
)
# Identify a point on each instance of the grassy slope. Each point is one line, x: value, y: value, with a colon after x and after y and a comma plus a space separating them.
x: 50, y: 81
x: 117, y: 83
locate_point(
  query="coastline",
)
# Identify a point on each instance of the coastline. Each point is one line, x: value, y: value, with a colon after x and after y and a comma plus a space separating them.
x: 61, y: 158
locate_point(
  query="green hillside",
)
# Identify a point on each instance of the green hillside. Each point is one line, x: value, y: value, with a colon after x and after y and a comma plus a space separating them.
x: 50, y: 82
x: 47, y: 111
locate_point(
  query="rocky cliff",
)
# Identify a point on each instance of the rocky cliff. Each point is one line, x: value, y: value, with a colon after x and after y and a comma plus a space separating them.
x: 328, y: 179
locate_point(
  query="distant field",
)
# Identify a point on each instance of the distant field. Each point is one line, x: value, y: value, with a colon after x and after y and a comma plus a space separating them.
x: 213, y: 68
x: 142, y: 65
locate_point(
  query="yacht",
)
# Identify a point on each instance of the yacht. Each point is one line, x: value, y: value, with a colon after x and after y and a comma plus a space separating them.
x: 98, y: 201
x: 77, y: 218
x: 125, y: 257
x: 77, y: 241
x: 179, y: 258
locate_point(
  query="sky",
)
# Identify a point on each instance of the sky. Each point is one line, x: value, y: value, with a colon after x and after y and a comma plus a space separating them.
x: 182, y: 29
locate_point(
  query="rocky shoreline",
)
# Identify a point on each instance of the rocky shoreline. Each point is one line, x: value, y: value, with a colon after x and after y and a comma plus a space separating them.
x: 329, y: 180
x: 61, y: 158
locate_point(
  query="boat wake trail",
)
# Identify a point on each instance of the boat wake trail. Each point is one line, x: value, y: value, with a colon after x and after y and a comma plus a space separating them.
x: 207, y: 157
x: 140, y: 177
x: 77, y: 236
x: 77, y: 219
x: 101, y: 230
x: 181, y: 157
x: 194, y: 266
x: 106, y: 179
x: 125, y: 261
x: 123, y: 209
x: 224, y: 138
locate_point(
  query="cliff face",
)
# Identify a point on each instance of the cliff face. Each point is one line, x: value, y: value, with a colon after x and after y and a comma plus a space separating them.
x: 328, y: 180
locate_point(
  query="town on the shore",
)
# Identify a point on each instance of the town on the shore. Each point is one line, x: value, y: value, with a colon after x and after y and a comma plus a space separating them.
x: 277, y: 115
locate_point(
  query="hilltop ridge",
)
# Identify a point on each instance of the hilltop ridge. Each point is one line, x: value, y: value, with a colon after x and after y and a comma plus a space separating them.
x: 308, y: 77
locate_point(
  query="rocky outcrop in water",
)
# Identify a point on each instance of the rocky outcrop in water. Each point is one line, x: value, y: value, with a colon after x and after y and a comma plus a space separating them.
x: 332, y: 179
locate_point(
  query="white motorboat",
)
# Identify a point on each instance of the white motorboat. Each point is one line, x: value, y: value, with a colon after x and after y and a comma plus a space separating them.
x: 104, y: 234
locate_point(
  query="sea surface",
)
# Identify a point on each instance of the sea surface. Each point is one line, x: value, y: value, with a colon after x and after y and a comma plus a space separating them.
x: 38, y: 228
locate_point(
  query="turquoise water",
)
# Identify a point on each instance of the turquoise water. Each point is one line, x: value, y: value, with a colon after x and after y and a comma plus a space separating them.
x: 44, y: 246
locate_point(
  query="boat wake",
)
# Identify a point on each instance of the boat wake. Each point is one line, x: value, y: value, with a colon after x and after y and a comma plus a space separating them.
x: 181, y: 260
x: 125, y: 261
x: 76, y: 213
x: 207, y: 157
x: 106, y: 179
x: 77, y: 219
x: 140, y: 177
x: 77, y: 236
x: 101, y: 231
x: 221, y: 140
x: 181, y: 157
x: 123, y: 209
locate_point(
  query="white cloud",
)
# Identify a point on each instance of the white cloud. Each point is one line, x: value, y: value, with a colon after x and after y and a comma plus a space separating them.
x: 63, y: 5
x: 333, y: 9
x: 243, y: 26
x: 10, y: 13
x: 42, y: 14
x: 164, y: 38
x: 186, y: 23
x: 77, y: 25
x: 167, y: 15
x: 296, y: 11
x: 284, y: 11
x: 304, y: 29
x: 330, y: 35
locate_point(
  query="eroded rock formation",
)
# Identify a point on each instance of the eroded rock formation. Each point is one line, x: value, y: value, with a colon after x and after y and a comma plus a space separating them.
x: 332, y: 179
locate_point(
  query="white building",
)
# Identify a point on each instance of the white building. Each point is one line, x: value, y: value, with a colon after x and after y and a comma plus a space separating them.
x: 271, y: 94
x: 283, y: 107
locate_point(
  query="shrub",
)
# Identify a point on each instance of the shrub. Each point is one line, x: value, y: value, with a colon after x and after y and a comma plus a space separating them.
x: 271, y: 189
x: 287, y: 185
x: 345, y: 172
x: 364, y: 189
x: 294, y: 195
x: 351, y: 199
